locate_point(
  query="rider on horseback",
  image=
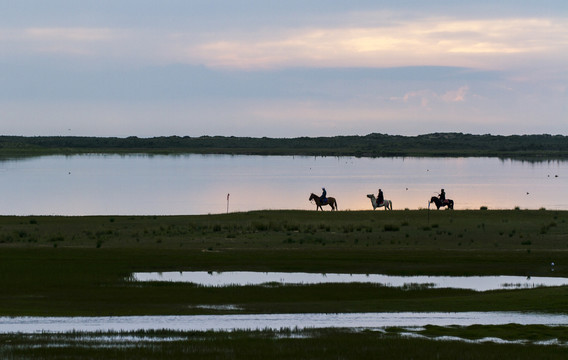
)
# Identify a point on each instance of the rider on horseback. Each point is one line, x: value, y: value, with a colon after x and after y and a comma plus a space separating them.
x: 323, y: 197
x: 380, y: 198
x: 442, y: 196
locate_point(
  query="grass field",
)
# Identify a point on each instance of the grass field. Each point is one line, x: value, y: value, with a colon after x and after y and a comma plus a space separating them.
x: 65, y: 266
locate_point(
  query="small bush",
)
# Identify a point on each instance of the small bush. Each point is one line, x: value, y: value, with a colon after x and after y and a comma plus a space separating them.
x: 483, y: 208
x: 391, y: 227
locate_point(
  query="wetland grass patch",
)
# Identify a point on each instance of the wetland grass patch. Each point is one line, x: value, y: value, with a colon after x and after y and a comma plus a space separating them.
x: 263, y: 344
x: 71, y: 275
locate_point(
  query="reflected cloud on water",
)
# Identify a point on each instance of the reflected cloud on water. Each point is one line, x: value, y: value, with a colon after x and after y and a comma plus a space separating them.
x: 199, y: 184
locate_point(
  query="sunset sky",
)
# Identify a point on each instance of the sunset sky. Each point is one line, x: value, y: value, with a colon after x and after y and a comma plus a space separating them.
x: 282, y: 68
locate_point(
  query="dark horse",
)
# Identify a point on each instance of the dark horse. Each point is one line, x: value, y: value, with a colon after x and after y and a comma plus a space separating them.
x: 449, y: 203
x: 330, y: 201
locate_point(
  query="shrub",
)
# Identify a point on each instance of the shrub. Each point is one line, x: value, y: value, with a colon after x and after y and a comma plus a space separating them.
x: 391, y: 227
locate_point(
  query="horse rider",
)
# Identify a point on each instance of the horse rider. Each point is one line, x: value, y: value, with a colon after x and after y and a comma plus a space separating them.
x: 323, y: 197
x: 442, y: 196
x: 380, y: 197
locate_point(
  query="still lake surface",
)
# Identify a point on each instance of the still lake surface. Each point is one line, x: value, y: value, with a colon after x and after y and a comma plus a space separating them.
x: 198, y: 184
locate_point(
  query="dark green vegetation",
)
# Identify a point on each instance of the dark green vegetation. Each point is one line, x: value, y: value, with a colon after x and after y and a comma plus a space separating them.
x: 283, y: 344
x: 79, y: 265
x: 532, y: 147
x: 61, y: 266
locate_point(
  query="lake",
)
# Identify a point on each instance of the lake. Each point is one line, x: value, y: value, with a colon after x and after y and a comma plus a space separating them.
x: 198, y: 184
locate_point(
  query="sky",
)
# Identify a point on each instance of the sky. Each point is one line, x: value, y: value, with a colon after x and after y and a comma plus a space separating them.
x: 282, y: 68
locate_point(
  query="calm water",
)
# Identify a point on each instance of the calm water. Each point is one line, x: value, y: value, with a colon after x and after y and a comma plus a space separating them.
x: 199, y: 184
x: 272, y: 321
x: 477, y: 283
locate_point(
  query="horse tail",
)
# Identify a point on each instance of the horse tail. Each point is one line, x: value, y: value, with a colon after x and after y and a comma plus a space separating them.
x: 336, y: 207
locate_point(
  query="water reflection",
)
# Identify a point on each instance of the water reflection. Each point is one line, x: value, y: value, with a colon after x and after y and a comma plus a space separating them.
x: 240, y: 278
x: 199, y: 184
x: 28, y: 325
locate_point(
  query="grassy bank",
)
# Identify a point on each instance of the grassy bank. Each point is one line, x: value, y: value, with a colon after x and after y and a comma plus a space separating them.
x: 80, y: 265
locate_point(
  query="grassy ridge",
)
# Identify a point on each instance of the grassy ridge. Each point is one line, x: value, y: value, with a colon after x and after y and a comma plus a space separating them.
x: 79, y: 265
x: 538, y: 147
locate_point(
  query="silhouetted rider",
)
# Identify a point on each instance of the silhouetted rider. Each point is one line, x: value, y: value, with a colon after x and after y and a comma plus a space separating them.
x: 380, y: 197
x: 442, y: 196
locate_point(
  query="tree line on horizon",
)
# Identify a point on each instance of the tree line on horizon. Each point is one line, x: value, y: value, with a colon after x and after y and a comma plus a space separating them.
x: 371, y: 145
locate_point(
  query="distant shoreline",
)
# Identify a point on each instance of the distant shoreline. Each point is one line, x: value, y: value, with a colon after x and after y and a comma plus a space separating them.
x: 522, y: 147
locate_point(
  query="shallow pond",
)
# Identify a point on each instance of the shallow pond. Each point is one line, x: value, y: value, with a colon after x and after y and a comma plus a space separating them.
x: 199, y: 184
x: 478, y: 283
x: 272, y: 321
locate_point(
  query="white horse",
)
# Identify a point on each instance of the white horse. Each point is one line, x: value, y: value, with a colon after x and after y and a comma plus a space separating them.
x: 386, y: 203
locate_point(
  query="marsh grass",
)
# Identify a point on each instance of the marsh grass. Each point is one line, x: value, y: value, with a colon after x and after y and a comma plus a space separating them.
x: 85, y: 271
x: 268, y: 228
x: 280, y: 344
x: 63, y: 266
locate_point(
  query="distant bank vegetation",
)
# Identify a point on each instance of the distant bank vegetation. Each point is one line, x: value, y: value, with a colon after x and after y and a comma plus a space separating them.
x: 530, y: 147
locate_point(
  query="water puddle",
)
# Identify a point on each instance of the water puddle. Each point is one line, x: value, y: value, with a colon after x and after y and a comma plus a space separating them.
x: 495, y: 340
x: 241, y: 278
x: 30, y: 325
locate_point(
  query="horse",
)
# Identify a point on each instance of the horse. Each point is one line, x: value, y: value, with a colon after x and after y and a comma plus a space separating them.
x: 449, y: 203
x: 330, y: 201
x: 386, y: 203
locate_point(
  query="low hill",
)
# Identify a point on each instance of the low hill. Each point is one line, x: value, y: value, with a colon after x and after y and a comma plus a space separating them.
x: 538, y: 147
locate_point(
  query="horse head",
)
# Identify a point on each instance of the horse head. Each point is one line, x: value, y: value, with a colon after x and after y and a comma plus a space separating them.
x: 312, y: 197
x: 371, y: 196
x: 433, y: 199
